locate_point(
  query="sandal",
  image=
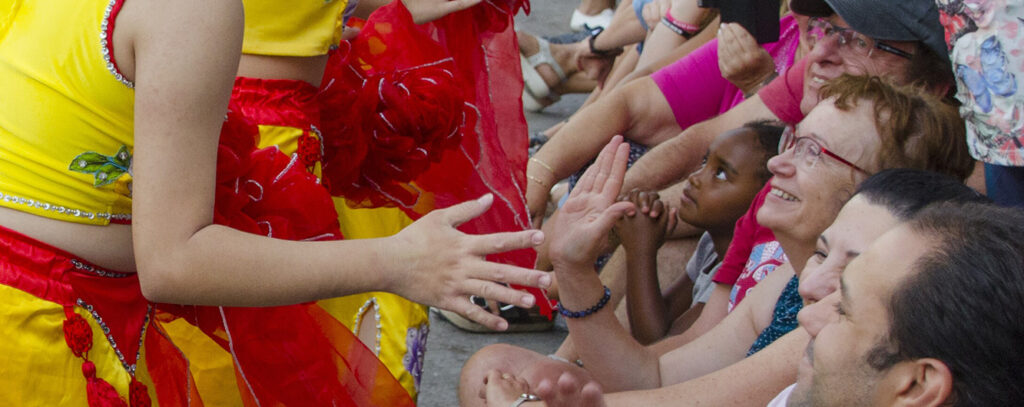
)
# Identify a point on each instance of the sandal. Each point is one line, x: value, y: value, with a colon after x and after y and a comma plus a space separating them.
x: 537, y: 93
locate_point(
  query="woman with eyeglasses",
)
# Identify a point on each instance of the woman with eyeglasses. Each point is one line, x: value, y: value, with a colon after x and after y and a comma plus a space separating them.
x: 863, y: 125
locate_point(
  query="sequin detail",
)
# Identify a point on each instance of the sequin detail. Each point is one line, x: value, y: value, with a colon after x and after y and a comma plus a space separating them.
x: 376, y: 315
x: 129, y: 367
x: 97, y: 271
x: 106, y: 31
x: 46, y: 206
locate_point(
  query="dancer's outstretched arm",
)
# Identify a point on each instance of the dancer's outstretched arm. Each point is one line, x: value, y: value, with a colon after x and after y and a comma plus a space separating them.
x: 181, y: 94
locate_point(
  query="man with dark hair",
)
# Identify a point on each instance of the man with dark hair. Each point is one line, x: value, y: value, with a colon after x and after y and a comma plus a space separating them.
x: 928, y: 316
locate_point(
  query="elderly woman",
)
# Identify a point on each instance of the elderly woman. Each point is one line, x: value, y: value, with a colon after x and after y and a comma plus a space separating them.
x: 862, y: 126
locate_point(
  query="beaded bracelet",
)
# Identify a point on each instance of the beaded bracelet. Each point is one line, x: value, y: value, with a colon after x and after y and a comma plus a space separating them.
x: 684, y: 30
x: 597, y: 307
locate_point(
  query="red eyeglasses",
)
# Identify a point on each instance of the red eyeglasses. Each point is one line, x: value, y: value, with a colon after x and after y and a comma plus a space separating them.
x: 808, y: 151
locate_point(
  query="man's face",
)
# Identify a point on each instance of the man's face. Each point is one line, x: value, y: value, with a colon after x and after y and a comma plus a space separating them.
x: 848, y: 324
x: 828, y: 60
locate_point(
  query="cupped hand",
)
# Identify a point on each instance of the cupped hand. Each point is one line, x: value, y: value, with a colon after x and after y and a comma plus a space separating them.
x: 583, y: 222
x: 569, y: 391
x: 502, y: 389
x: 646, y: 226
x: 741, y: 60
x: 441, y: 267
x: 425, y: 11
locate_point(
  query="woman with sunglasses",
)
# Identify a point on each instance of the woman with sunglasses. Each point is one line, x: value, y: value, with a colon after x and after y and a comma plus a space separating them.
x: 863, y: 125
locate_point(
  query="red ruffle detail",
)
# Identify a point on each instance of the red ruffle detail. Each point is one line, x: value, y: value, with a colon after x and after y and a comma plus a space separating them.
x: 77, y: 332
x: 265, y: 192
x: 388, y: 114
x: 478, y: 47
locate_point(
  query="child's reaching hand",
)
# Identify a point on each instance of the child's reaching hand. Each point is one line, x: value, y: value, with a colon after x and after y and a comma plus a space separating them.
x: 643, y: 229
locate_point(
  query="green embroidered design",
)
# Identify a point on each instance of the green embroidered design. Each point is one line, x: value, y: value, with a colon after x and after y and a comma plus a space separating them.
x: 105, y: 169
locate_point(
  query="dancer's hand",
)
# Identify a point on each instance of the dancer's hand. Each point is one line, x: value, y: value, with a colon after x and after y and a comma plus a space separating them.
x: 502, y: 389
x: 425, y: 11
x: 582, y: 226
x: 570, y: 392
x: 441, y: 266
x: 741, y: 60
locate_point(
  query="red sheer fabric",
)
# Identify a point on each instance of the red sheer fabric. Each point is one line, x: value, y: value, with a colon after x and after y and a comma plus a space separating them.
x: 433, y: 121
x: 292, y: 355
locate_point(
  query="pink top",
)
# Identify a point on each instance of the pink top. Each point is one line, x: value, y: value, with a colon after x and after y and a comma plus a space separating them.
x: 694, y: 87
x: 782, y: 96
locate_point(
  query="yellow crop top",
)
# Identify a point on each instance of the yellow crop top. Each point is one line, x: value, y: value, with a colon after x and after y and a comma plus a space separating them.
x: 300, y: 28
x: 66, y: 114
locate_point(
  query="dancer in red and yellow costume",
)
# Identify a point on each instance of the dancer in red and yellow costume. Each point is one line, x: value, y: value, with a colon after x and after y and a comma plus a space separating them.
x: 102, y: 128
x: 422, y: 111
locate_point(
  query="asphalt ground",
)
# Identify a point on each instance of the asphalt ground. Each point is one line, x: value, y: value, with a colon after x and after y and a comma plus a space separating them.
x: 448, y: 347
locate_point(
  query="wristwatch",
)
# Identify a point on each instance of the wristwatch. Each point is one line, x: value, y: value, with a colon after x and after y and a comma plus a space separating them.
x: 601, y: 53
x: 524, y: 398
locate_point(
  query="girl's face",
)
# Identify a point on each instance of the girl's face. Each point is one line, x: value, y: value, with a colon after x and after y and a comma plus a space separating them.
x: 859, y: 223
x: 808, y: 189
x: 720, y: 191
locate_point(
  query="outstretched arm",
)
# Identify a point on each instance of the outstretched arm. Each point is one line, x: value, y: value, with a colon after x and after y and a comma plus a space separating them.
x: 636, y: 110
x: 669, y: 161
x: 181, y: 94
x: 575, y: 242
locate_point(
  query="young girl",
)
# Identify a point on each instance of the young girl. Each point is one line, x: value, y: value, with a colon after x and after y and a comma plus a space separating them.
x: 714, y: 197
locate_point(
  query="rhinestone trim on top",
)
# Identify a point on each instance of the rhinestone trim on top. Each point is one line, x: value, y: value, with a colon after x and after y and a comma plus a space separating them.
x: 105, y: 46
x: 376, y: 315
x: 46, y: 206
x: 99, y: 272
x: 106, y: 332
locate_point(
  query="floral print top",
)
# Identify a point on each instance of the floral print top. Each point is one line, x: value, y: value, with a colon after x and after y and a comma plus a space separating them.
x: 986, y: 38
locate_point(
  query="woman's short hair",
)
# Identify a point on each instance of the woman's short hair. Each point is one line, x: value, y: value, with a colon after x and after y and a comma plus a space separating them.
x: 918, y: 130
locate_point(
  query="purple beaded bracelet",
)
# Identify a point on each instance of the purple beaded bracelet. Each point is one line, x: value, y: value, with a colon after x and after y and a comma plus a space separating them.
x: 597, y: 307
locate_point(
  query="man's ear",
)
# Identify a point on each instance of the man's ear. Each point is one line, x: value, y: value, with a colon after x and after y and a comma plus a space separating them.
x: 921, y: 383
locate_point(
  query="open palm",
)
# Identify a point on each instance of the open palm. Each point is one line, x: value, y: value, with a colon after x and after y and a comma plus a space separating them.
x: 582, y: 225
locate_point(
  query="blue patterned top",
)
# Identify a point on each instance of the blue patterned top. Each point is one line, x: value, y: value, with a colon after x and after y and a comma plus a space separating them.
x: 783, y: 318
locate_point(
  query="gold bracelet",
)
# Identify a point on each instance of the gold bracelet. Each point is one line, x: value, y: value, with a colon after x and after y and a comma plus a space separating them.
x: 537, y: 180
x: 542, y: 164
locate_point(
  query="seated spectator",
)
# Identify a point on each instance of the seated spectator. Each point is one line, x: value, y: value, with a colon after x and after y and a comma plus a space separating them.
x: 863, y: 119
x: 983, y: 38
x: 926, y: 316
x: 881, y: 203
x: 714, y: 197
x: 747, y: 260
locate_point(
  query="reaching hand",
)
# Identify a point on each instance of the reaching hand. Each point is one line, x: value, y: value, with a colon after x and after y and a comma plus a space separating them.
x: 443, y: 266
x: 425, y: 11
x: 741, y: 60
x: 583, y: 223
x: 568, y: 392
x: 645, y: 227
